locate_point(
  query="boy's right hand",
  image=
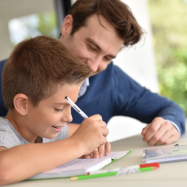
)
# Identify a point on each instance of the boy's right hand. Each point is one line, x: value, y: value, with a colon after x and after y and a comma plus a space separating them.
x: 91, y: 133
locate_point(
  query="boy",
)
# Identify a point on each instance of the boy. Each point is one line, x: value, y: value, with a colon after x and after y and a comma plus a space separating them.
x: 34, y: 136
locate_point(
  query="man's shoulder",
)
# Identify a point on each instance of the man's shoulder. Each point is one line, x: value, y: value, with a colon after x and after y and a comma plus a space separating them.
x: 112, y: 68
x: 114, y: 75
x: 112, y: 71
x: 2, y: 63
x: 3, y: 110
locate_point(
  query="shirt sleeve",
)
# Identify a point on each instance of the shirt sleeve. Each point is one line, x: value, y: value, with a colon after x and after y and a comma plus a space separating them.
x: 8, y: 139
x: 176, y: 126
x: 137, y: 102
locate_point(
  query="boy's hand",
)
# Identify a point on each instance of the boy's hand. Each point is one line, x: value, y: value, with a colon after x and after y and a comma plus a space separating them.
x: 159, y: 132
x: 99, y: 152
x: 91, y: 134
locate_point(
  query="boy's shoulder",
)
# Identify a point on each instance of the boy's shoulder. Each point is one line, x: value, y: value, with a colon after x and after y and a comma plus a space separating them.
x: 9, y: 137
x: 5, y: 125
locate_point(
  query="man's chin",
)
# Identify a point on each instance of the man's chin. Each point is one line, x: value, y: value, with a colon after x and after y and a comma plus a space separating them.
x: 94, y: 73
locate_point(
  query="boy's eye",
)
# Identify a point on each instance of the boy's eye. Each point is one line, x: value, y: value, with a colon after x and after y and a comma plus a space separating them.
x: 58, y: 110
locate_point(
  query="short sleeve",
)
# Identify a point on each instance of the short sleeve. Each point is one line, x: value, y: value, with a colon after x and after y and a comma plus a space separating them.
x: 7, y: 138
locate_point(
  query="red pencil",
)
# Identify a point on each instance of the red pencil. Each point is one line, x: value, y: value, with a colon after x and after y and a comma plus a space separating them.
x: 156, y: 164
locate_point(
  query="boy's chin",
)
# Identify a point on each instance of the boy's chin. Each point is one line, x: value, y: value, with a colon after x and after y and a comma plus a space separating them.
x: 51, y: 136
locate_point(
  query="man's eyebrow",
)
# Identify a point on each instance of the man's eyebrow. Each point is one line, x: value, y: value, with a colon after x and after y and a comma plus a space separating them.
x: 94, y: 43
x: 98, y: 47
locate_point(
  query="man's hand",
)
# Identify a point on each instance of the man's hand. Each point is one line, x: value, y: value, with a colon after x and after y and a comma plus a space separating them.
x: 99, y: 152
x: 159, y: 132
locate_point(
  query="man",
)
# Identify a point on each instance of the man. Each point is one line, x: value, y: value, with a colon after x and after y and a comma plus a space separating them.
x: 95, y: 31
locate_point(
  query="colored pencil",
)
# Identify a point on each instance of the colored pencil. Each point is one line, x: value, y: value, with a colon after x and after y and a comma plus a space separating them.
x: 120, y: 172
x: 127, y: 167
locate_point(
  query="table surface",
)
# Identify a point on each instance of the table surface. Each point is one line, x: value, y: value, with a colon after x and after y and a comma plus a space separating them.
x: 170, y: 174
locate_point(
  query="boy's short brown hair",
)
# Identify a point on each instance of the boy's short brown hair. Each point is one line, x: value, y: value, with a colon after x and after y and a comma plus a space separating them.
x: 117, y: 13
x: 37, y: 66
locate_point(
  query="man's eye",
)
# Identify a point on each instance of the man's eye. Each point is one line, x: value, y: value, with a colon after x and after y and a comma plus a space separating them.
x: 58, y: 110
x: 90, y: 47
x: 108, y: 59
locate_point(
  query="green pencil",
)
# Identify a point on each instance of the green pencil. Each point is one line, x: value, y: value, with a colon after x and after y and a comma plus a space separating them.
x: 120, y: 172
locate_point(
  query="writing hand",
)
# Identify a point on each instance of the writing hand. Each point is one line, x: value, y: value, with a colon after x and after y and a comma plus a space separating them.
x: 91, y: 133
x: 103, y: 149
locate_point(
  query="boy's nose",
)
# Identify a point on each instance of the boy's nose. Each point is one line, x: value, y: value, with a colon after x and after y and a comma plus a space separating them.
x: 67, y: 115
x: 69, y: 118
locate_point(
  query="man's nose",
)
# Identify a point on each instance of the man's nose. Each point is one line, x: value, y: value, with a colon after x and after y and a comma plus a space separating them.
x: 94, y: 64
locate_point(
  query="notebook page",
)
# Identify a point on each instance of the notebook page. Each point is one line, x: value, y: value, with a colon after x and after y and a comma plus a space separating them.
x: 117, y: 155
x: 88, y: 164
x: 77, y: 164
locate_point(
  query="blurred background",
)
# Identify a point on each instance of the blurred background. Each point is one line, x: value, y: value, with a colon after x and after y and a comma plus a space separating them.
x: 158, y: 61
x: 169, y: 26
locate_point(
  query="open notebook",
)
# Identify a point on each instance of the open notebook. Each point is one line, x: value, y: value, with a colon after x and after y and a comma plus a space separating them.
x: 80, y: 166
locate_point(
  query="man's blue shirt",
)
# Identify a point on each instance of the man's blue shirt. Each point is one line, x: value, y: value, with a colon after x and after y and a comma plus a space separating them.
x: 113, y: 93
x: 3, y: 110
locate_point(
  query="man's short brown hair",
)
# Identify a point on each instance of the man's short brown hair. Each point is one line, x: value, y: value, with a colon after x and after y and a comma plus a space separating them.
x: 37, y: 66
x: 117, y: 13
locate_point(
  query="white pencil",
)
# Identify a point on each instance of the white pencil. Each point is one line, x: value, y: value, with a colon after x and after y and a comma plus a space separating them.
x: 76, y: 107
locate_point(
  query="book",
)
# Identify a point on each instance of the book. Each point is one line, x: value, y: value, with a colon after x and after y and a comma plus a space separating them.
x: 165, y: 154
x: 80, y: 166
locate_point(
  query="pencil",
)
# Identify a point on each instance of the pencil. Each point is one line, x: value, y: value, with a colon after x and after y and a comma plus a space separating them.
x: 76, y: 107
x: 156, y: 164
x: 120, y: 172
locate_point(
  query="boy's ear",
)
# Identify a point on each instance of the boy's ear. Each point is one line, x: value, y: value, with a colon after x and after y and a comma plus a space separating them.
x: 67, y: 26
x: 21, y: 104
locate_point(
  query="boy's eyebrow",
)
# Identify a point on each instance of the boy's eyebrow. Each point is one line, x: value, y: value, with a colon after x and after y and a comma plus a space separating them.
x: 97, y: 46
x: 64, y: 103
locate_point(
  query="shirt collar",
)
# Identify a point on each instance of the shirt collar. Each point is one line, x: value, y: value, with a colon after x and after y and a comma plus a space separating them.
x: 83, y: 88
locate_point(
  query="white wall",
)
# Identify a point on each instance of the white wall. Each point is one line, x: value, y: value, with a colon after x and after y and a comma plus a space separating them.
x: 10, y: 9
x: 139, y: 63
